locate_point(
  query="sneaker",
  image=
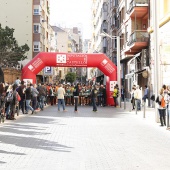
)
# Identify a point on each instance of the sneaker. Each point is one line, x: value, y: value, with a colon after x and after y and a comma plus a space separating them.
x: 64, y: 110
x: 32, y: 112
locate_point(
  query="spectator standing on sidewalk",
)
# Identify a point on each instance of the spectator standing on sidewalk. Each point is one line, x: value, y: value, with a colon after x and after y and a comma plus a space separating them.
x: 34, y: 96
x: 161, y: 108
x: 17, y: 81
x: 60, y: 97
x: 51, y: 94
x: 122, y: 94
x: 146, y: 94
x: 7, y: 105
x: 115, y: 95
x: 132, y: 97
x: 42, y: 95
x: 94, y: 94
x: 100, y: 96
x: 104, y: 96
x: 138, y: 97
x: 21, y: 92
x: 76, y: 97
x: 28, y: 93
x: 13, y: 103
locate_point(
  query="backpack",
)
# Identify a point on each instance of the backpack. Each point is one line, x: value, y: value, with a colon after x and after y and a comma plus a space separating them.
x: 18, y: 97
x: 163, y: 102
x: 10, y: 97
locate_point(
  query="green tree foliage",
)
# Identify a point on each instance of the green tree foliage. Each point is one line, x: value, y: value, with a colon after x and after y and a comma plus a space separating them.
x: 70, y: 77
x: 10, y: 51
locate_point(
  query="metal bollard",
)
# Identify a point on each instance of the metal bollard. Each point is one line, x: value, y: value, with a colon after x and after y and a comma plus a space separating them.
x: 130, y: 107
x: 136, y: 106
x: 144, y: 109
x: 124, y: 103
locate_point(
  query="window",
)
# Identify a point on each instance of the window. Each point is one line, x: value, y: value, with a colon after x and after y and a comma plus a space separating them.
x: 36, y: 28
x: 36, y: 11
x: 36, y: 48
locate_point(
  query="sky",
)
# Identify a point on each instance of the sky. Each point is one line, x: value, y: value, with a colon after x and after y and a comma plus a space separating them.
x: 72, y: 13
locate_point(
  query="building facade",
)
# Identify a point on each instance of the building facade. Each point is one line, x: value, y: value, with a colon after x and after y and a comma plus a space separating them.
x: 19, y: 15
x: 128, y: 20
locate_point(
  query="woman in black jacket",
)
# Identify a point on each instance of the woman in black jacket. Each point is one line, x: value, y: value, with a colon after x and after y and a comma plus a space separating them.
x: 94, y: 98
x: 13, y: 103
x: 76, y: 96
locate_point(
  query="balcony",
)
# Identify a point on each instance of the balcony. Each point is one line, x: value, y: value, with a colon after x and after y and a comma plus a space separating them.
x: 114, y: 5
x: 138, y: 8
x: 104, y: 16
x: 137, y: 41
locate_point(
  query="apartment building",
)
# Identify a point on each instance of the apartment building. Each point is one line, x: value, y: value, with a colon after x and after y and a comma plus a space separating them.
x: 160, y: 43
x: 31, y: 21
x: 41, y: 25
x: 99, y: 24
x: 132, y: 24
x: 68, y: 41
x: 127, y: 19
x: 19, y: 15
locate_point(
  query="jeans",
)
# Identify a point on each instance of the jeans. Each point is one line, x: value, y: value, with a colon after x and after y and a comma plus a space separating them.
x: 162, y: 113
x: 34, y: 103
x: 76, y: 103
x: 61, y: 102
x: 22, y: 105
x: 94, y: 104
x: 100, y: 101
x: 41, y: 103
x: 138, y: 104
x: 144, y: 98
x: 115, y: 101
x: 7, y: 108
x: 28, y: 107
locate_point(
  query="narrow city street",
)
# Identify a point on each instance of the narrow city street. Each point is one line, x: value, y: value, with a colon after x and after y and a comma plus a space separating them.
x: 110, y: 139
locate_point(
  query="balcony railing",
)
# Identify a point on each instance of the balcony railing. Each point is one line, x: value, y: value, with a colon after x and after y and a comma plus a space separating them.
x: 137, y: 3
x: 138, y: 36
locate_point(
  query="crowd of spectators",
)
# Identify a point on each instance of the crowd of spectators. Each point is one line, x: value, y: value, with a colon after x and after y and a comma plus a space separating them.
x: 33, y: 97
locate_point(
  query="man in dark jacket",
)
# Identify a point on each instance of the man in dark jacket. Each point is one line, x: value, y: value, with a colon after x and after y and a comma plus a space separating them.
x: 21, y: 92
x: 42, y: 95
x: 76, y: 96
x: 94, y: 94
x: 28, y: 93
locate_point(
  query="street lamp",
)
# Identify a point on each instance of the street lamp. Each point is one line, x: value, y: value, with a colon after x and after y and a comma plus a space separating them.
x: 104, y: 34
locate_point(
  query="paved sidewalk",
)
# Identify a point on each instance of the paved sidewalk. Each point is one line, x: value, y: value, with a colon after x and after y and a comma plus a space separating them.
x: 149, y: 115
x: 110, y: 139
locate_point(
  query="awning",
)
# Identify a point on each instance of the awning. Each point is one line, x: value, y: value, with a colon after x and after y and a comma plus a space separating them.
x: 139, y: 71
x: 130, y: 75
x: 135, y: 56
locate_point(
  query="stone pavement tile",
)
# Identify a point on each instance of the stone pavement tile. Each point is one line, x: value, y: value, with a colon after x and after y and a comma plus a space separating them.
x: 111, y: 139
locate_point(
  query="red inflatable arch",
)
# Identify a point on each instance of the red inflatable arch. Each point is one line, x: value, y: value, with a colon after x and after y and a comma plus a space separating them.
x: 98, y: 60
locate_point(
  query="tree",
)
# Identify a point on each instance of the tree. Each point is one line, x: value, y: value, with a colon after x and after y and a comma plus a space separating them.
x: 70, y: 77
x: 10, y: 51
